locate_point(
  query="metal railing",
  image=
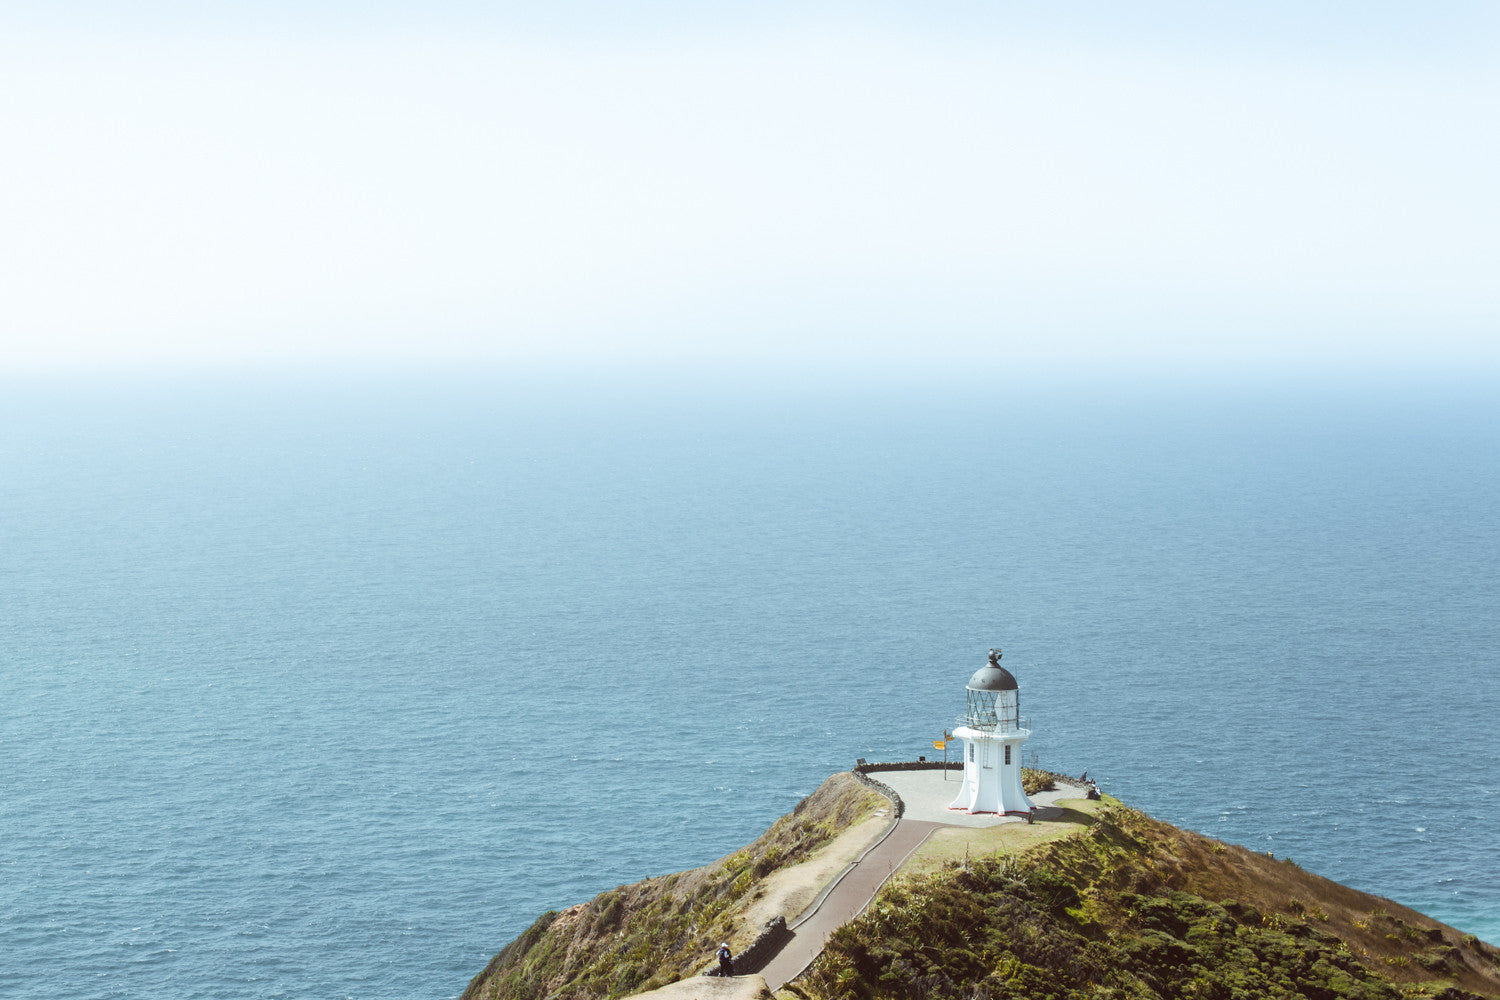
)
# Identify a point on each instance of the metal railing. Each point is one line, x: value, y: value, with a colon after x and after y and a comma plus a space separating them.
x: 1014, y: 724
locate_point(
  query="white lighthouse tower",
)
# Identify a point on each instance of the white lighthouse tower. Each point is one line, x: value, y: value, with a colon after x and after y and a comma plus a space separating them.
x: 992, y: 731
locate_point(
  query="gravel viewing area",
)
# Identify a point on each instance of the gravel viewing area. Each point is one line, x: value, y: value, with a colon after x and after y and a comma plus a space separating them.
x: 927, y: 795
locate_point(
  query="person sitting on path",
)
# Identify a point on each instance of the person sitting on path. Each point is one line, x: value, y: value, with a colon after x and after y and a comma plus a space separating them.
x: 726, y: 962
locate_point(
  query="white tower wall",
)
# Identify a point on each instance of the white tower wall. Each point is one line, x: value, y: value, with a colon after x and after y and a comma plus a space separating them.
x: 992, y: 772
x: 993, y: 732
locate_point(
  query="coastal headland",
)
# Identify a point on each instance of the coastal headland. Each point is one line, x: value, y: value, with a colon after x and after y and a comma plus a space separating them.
x: 871, y: 887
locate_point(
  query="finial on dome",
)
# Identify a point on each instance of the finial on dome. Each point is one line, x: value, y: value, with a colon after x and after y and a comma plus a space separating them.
x: 992, y: 676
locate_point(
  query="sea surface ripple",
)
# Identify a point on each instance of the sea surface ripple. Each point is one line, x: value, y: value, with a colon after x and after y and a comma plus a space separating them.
x: 330, y: 689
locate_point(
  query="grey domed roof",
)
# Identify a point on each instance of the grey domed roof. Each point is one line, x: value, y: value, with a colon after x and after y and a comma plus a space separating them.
x: 992, y: 676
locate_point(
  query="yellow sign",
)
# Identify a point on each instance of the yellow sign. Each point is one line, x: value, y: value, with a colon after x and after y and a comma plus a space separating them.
x: 940, y: 744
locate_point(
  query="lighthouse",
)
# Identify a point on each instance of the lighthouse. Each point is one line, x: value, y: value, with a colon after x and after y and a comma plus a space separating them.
x: 992, y: 731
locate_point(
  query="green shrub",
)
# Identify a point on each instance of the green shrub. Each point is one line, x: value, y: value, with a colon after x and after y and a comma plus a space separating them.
x: 1011, y: 930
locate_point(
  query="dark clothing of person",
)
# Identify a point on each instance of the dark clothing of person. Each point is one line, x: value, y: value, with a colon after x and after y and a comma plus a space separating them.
x: 726, y: 963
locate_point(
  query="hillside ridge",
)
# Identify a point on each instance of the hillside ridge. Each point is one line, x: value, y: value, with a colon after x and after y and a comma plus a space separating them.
x: 1115, y: 904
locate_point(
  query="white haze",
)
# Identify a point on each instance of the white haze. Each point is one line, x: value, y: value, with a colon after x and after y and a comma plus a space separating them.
x: 808, y: 191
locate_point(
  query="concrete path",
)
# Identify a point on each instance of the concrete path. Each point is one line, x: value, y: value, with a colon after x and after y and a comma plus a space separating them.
x: 751, y: 987
x: 845, y: 899
x: 926, y: 795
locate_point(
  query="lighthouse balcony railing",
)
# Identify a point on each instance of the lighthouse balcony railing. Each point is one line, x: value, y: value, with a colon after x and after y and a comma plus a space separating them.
x: 1014, y: 724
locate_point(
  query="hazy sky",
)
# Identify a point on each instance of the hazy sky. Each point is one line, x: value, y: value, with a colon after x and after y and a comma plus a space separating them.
x: 440, y: 183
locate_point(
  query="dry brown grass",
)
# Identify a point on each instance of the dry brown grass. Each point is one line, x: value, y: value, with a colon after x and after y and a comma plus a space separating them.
x: 1126, y: 906
x: 1385, y: 936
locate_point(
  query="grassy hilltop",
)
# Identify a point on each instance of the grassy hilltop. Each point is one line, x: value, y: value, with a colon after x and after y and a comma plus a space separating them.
x: 1110, y: 904
x: 1131, y: 907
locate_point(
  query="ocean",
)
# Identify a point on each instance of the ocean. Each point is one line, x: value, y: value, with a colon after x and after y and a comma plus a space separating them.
x: 327, y: 686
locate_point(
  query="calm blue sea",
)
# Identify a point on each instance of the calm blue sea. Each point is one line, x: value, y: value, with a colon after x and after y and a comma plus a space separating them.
x: 327, y: 687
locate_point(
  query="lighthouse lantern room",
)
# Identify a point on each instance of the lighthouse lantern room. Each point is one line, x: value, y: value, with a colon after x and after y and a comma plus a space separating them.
x: 992, y: 731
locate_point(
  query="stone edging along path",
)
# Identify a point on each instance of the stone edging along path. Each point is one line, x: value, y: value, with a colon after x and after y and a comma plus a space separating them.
x: 847, y: 895
x: 783, y: 951
x: 777, y: 933
x: 851, y: 890
x: 817, y: 903
x: 855, y: 888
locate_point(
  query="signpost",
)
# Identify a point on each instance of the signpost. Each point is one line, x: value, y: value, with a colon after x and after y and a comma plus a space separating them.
x: 942, y: 745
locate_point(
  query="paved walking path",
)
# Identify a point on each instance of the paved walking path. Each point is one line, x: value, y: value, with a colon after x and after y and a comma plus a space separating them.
x: 926, y: 795
x: 845, y: 900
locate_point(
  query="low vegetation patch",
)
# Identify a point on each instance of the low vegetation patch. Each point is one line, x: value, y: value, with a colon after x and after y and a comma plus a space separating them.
x: 1133, y: 908
x: 1034, y: 780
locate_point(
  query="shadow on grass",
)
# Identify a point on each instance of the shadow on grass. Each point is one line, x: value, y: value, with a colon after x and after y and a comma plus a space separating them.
x: 1064, y: 814
x: 1061, y: 812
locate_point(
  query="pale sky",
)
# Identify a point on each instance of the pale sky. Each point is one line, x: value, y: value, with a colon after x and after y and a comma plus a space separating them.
x: 446, y: 184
